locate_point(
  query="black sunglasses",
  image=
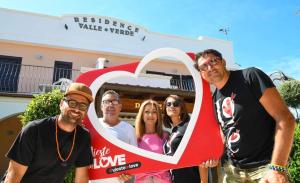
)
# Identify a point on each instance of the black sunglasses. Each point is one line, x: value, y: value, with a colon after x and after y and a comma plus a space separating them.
x: 73, y: 104
x: 174, y: 104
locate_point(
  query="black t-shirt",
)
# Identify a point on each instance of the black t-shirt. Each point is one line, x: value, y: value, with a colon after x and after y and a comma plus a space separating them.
x: 181, y: 175
x: 35, y: 147
x: 248, y: 128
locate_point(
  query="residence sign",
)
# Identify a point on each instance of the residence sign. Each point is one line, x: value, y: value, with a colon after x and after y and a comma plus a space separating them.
x: 106, y: 24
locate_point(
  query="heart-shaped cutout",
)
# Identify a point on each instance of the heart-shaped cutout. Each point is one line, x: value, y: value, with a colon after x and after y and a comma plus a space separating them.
x: 104, y: 145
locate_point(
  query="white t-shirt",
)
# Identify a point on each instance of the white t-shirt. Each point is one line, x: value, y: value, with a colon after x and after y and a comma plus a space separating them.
x: 124, y: 132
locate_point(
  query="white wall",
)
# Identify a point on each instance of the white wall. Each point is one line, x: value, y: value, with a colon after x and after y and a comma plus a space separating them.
x: 12, y: 105
x: 145, y: 80
x: 37, y: 29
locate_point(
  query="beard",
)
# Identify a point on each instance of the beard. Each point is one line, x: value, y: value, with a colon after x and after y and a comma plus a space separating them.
x: 68, y: 118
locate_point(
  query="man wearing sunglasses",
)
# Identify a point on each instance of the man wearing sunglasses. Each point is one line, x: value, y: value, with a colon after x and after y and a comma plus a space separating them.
x: 257, y: 125
x: 46, y: 149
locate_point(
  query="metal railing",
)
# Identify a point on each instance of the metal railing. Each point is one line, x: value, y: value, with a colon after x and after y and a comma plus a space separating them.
x: 182, y: 84
x: 30, y: 79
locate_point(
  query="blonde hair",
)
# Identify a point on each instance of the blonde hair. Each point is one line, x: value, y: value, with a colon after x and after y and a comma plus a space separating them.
x: 140, y: 124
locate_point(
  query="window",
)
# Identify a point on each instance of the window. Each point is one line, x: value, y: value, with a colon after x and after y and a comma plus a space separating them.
x: 62, y: 70
x: 9, y: 73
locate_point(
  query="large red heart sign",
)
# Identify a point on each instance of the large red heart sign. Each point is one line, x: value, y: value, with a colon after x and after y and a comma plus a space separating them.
x: 202, y: 139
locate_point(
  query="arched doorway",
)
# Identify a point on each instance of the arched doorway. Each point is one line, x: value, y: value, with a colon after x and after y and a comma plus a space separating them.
x: 9, y: 129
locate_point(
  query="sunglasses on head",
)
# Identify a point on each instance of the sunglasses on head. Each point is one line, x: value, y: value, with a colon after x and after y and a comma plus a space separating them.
x: 73, y: 104
x: 174, y: 104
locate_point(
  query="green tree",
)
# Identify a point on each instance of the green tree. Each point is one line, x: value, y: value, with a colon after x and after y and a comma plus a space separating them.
x: 290, y: 92
x: 43, y: 106
x: 294, y: 162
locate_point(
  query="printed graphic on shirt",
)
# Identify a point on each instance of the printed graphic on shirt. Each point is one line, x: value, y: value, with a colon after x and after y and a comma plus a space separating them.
x: 232, y: 140
x: 228, y: 107
x: 225, y: 113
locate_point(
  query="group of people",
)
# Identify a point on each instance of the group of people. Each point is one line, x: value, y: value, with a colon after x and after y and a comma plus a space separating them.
x: 149, y: 134
x: 256, y: 125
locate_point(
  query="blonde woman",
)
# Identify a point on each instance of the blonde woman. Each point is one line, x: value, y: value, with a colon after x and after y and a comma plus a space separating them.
x: 150, y: 136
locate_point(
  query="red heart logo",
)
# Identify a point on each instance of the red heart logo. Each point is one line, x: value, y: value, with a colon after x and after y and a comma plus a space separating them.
x: 228, y: 107
x: 234, y: 136
x: 201, y: 141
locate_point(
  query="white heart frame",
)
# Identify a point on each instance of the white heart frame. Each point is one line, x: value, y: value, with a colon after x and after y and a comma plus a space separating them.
x: 159, y: 53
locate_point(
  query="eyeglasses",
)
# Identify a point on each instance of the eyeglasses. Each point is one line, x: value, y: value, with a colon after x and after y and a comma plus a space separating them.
x: 174, y: 104
x: 107, y: 102
x: 73, y: 104
x: 212, y: 62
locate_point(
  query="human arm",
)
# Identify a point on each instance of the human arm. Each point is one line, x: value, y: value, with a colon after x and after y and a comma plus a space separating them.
x: 284, y: 132
x: 85, y: 157
x: 81, y: 175
x: 203, y: 172
x: 21, y: 153
x: 203, y: 169
x: 15, y: 172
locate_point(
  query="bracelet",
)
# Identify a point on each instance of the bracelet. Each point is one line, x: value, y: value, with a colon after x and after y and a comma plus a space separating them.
x: 277, y: 168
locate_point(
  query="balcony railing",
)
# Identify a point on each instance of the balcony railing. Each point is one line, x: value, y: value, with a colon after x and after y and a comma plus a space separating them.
x: 186, y: 85
x: 182, y: 83
x: 30, y: 79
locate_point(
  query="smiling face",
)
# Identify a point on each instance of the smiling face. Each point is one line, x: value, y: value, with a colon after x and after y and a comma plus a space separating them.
x: 172, y: 108
x: 72, y: 114
x: 213, y: 69
x: 111, y: 108
x: 148, y: 119
x: 150, y: 115
x: 174, y: 111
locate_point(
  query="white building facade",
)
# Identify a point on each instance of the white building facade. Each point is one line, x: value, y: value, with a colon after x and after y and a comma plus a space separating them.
x: 37, y: 50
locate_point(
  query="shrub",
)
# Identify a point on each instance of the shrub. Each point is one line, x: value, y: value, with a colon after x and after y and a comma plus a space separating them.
x: 43, y: 106
x: 294, y: 165
x: 290, y: 92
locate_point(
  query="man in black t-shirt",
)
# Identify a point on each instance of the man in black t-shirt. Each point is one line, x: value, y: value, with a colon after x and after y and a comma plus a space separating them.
x: 46, y: 149
x: 258, y: 128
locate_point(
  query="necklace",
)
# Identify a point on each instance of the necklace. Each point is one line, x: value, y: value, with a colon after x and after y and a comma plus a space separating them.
x: 64, y: 161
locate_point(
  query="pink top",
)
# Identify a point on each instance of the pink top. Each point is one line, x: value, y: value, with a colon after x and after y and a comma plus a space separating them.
x: 153, y: 143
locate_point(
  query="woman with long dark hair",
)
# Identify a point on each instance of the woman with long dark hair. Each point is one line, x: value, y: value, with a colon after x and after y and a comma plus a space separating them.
x: 176, y: 117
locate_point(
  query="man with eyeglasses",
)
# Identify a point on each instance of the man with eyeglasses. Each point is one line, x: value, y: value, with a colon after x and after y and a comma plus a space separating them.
x: 257, y: 125
x: 111, y: 108
x: 46, y: 149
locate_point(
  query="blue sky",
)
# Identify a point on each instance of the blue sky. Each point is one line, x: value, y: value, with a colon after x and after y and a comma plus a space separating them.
x: 265, y: 34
